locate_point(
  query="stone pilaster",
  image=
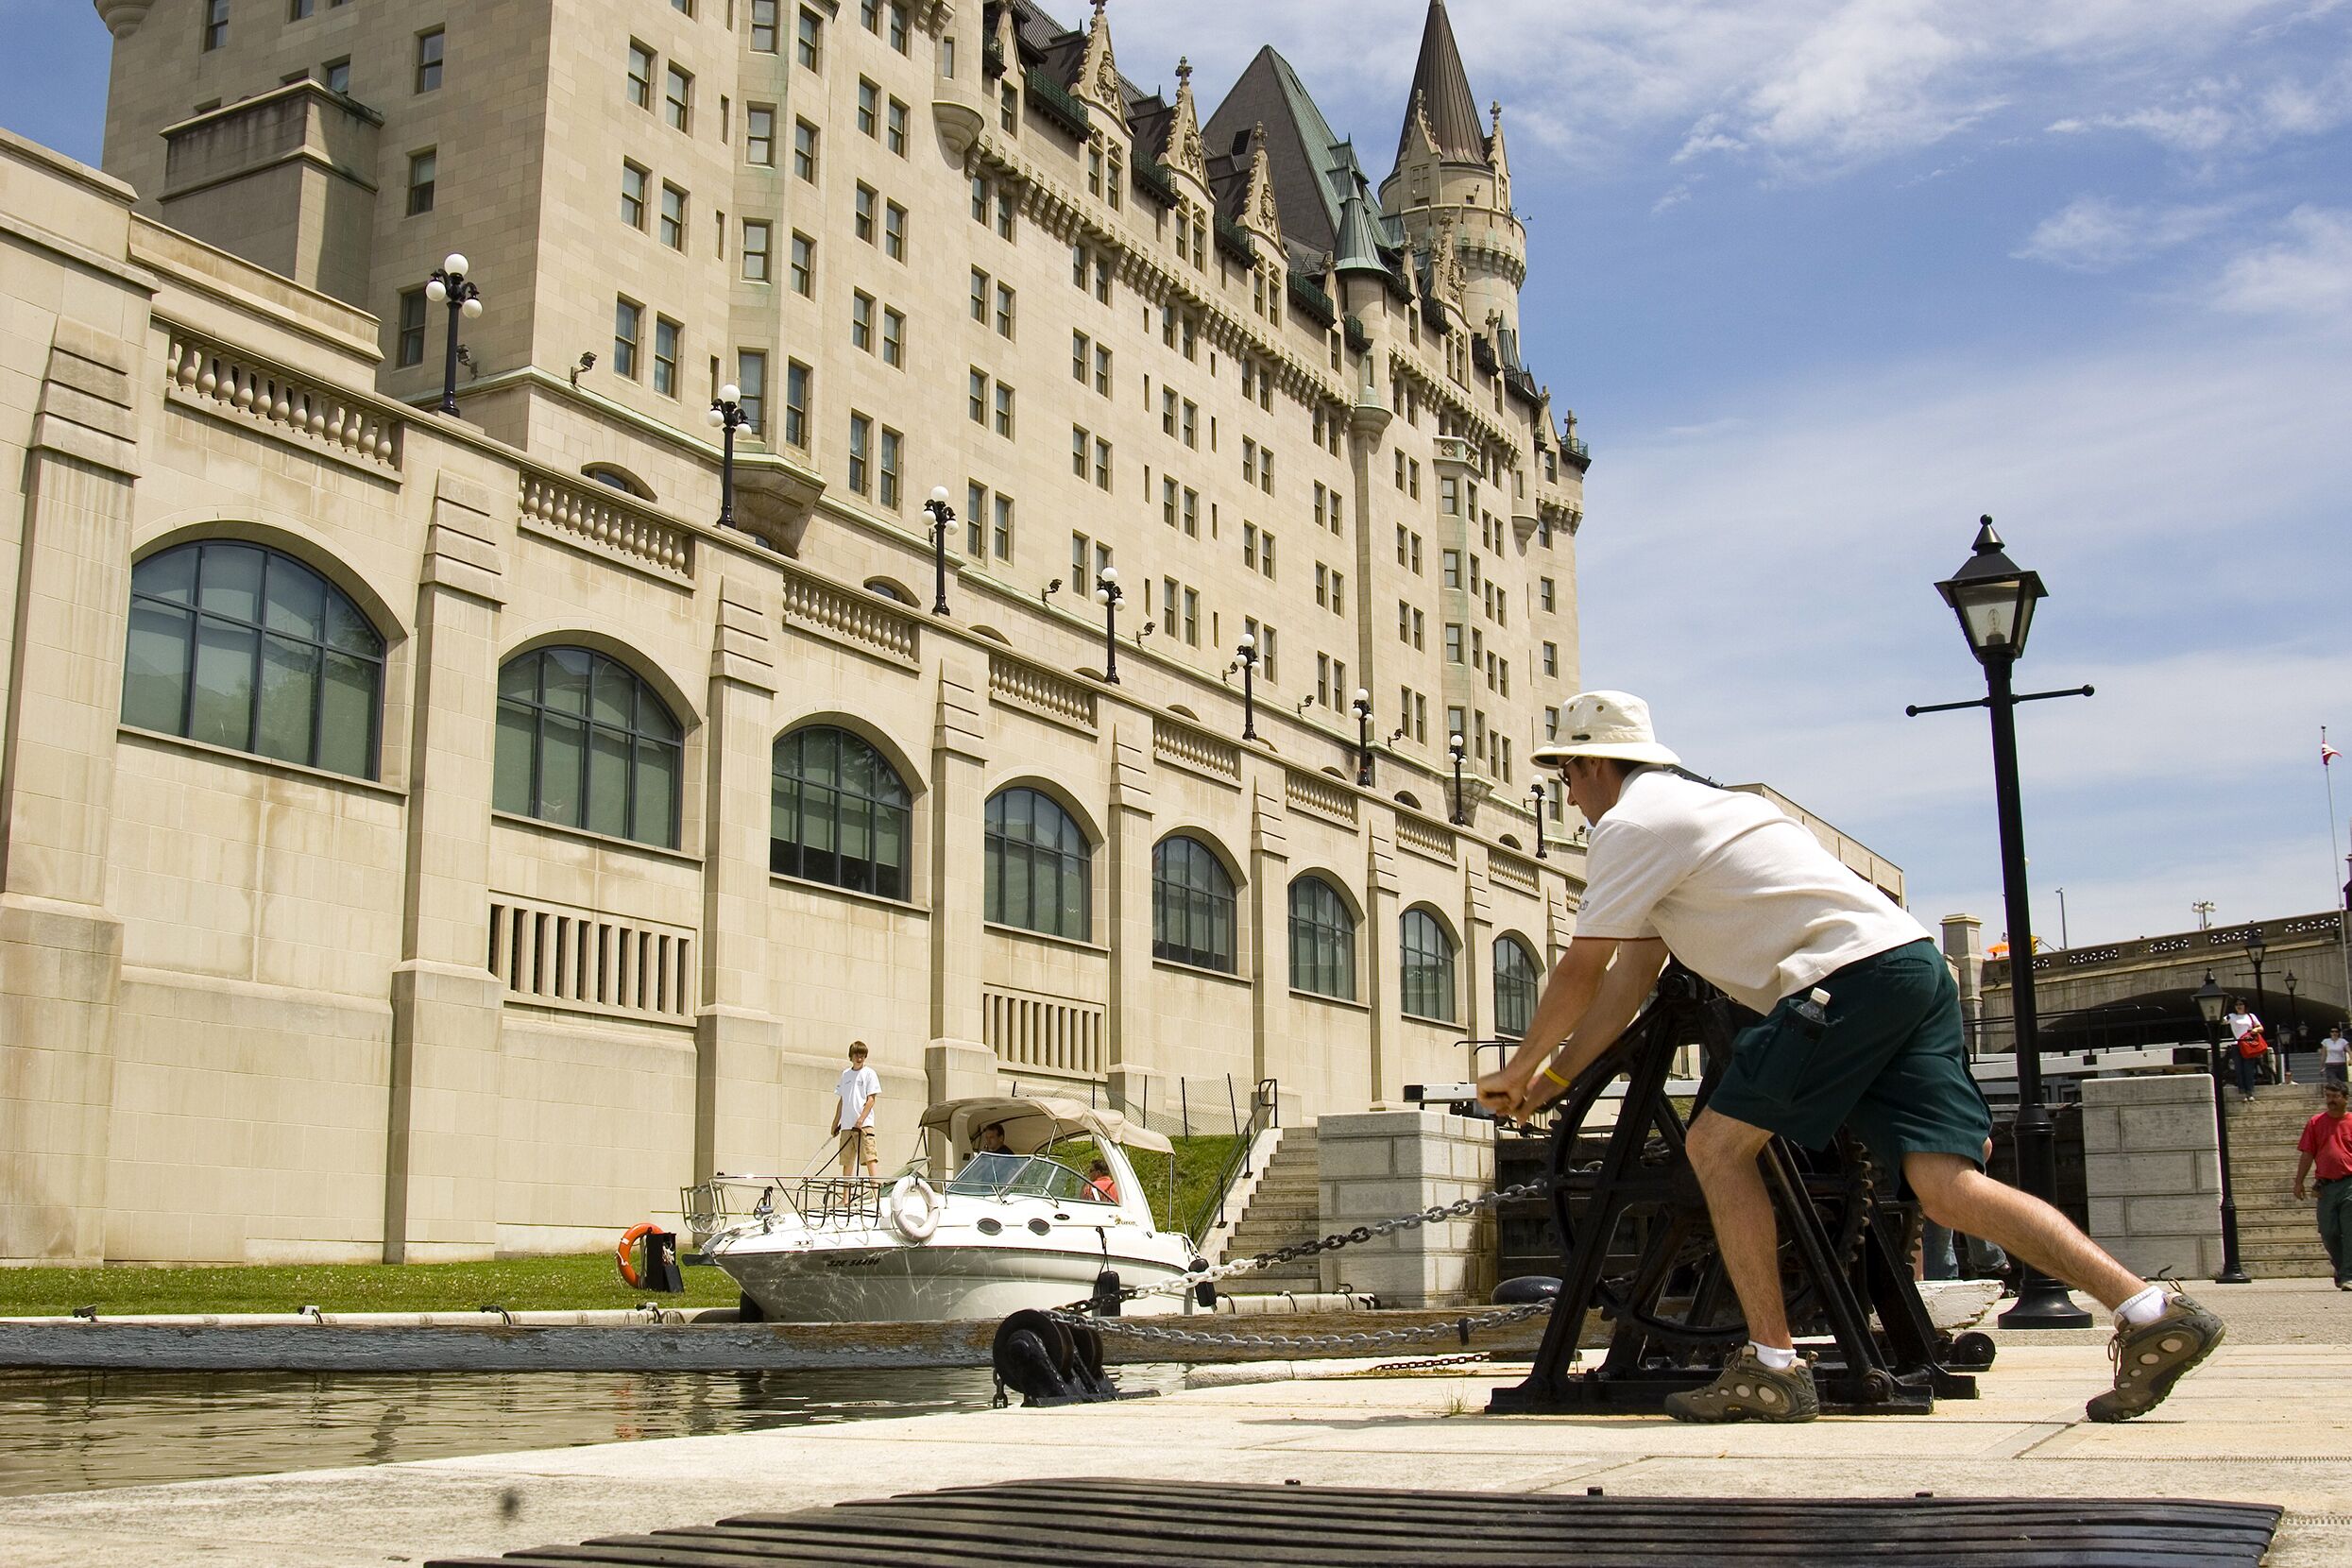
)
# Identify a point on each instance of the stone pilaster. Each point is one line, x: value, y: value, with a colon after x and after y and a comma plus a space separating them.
x: 1270, y: 922
x: 1474, y: 963
x: 958, y: 1062
x: 739, y: 1113
x: 1380, y: 980
x: 60, y: 948
x: 440, y: 1169
x: 1132, y: 1028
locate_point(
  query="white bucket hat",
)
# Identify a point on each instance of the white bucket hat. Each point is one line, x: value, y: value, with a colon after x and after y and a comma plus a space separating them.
x: 1605, y: 723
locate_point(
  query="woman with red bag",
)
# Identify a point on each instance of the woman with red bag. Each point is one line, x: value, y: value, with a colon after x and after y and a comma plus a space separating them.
x: 2252, y: 1044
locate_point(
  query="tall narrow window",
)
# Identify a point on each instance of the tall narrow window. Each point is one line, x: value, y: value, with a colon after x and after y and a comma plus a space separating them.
x: 583, y: 742
x: 803, y: 277
x: 805, y: 151
x: 421, y: 169
x: 796, y: 404
x: 666, y: 335
x: 412, y: 339
x: 886, y: 467
x: 759, y: 135
x: 628, y: 323
x: 811, y: 49
x: 756, y: 242
x: 640, y: 76
x: 677, y: 100
x: 763, y: 25
x: 429, y: 47
x: 894, y: 338
x: 673, y: 216
x: 239, y: 647
x: 1516, y: 983
x: 861, y: 453
x: 633, y: 187
x: 215, y: 25
x: 751, y: 380
x: 893, y: 231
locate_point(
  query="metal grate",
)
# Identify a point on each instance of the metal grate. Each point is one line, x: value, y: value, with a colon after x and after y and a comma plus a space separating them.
x: 1105, y: 1522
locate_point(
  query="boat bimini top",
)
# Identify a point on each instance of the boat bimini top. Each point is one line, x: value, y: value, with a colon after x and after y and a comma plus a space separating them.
x: 1033, y: 1123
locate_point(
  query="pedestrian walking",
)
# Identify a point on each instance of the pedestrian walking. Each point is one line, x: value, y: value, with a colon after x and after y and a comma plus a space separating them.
x: 2335, y: 1055
x: 2326, y: 1148
x: 2249, y: 1045
x: 854, y: 1098
x: 1862, y: 1027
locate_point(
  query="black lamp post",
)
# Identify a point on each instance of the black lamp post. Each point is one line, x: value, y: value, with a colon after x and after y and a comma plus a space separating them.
x: 727, y: 413
x: 1995, y: 600
x: 1245, y: 661
x: 2256, y: 949
x: 1107, y: 594
x: 2294, y: 1022
x: 1453, y: 749
x: 1535, y: 803
x: 1362, y: 705
x: 942, y: 517
x: 451, y: 286
x: 2211, y: 1001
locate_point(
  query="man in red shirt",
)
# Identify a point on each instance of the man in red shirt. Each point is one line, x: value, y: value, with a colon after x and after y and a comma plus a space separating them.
x: 2326, y: 1143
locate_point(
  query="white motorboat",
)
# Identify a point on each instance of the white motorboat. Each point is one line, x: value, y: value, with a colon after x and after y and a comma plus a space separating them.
x: 1005, y: 1232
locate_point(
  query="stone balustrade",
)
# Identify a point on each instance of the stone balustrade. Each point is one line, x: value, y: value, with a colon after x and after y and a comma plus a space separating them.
x: 292, y: 407
x: 1175, y: 741
x: 857, y: 620
x: 1320, y: 796
x: 599, y: 518
x: 1018, y: 683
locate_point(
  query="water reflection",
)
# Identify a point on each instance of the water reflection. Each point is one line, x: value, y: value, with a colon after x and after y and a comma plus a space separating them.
x: 79, y: 1431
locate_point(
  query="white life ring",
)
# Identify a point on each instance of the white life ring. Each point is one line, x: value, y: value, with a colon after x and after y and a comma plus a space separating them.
x: 913, y: 1208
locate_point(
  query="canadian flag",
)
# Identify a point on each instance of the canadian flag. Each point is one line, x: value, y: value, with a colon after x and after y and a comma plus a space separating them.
x: 2327, y: 754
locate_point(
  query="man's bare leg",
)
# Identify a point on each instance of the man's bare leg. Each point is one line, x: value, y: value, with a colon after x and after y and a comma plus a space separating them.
x: 1723, y: 1156
x: 1960, y: 1197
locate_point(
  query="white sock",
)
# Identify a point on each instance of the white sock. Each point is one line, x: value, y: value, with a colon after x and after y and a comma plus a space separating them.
x: 2144, y: 1309
x: 1779, y: 1357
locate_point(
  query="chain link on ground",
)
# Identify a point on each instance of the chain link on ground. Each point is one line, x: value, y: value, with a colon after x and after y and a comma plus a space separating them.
x: 1461, y: 1208
x: 1428, y: 1363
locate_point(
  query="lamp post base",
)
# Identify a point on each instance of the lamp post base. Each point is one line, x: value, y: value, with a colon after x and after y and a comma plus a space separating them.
x: 2043, y: 1302
x: 2233, y: 1276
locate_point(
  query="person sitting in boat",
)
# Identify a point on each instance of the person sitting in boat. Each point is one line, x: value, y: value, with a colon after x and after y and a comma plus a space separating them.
x: 991, y: 1140
x: 1098, y: 1177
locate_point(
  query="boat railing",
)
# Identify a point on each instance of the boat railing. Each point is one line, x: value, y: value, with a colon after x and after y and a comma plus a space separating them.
x: 731, y: 1203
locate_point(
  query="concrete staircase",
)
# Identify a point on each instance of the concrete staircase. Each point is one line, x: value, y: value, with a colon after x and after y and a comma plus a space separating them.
x: 2277, y: 1237
x: 1287, y: 1207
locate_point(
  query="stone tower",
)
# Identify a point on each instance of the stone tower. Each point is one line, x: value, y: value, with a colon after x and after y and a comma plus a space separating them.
x: 1452, y: 175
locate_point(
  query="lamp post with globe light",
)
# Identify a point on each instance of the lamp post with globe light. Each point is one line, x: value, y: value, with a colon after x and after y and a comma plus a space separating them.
x: 1108, y: 594
x: 1535, y: 804
x: 727, y: 413
x: 1361, y: 706
x: 1245, y: 661
x: 1453, y: 749
x: 1994, y: 600
x: 450, y: 286
x: 942, y: 517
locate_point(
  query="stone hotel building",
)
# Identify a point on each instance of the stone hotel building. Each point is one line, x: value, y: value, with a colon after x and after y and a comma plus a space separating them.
x: 428, y: 837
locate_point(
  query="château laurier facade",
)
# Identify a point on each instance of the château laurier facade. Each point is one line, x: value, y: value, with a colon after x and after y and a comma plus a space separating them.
x: 428, y: 837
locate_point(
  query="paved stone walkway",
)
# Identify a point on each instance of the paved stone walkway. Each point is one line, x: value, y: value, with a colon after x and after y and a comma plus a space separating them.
x: 2266, y: 1421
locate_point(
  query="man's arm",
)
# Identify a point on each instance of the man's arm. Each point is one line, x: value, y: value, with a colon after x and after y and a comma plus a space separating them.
x: 1586, y: 1004
x: 866, y: 1109
x: 2302, y: 1168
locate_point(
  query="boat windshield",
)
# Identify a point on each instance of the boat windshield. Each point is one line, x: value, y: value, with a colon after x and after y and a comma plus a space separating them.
x: 1021, y: 1176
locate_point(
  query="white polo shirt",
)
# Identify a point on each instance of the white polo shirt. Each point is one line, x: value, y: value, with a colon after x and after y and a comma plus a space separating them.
x: 858, y: 1085
x: 1738, y: 890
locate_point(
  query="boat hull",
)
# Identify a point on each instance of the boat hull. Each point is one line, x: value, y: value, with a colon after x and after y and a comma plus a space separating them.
x: 892, y: 1282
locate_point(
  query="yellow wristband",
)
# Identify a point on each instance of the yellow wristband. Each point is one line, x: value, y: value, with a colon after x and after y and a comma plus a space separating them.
x: 1555, y: 1077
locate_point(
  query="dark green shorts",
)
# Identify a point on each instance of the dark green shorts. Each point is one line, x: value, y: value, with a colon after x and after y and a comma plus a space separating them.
x: 1890, y: 1065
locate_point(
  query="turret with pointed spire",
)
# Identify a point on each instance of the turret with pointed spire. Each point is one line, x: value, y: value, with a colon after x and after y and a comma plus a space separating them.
x: 1452, y: 176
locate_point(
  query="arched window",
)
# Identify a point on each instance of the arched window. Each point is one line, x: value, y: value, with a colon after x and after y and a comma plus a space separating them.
x: 583, y: 742
x: 1040, y: 867
x: 1192, y: 904
x: 838, y: 813
x: 1516, y: 982
x: 239, y: 647
x: 1322, y: 940
x: 1427, y: 971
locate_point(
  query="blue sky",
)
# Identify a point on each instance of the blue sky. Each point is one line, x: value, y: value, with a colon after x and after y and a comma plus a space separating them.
x: 1825, y: 278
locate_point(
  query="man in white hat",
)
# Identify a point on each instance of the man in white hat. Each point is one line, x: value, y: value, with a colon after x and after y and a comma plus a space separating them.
x: 1861, y: 1027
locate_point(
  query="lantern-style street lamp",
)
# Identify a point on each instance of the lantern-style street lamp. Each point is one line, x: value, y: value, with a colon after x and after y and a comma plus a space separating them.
x: 727, y: 413
x: 450, y: 286
x: 1994, y: 600
x: 942, y: 517
x: 2211, y: 1001
x: 2256, y: 948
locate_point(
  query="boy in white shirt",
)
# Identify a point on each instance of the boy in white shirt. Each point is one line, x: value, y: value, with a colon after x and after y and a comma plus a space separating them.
x: 853, y: 1112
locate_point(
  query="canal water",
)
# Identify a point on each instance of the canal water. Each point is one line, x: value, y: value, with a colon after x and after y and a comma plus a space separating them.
x: 79, y: 1431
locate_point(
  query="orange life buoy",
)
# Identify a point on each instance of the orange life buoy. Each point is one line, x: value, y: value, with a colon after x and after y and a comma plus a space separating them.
x: 628, y: 1245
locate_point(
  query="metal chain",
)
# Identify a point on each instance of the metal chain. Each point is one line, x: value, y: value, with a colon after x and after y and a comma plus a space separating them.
x: 1429, y: 1362
x: 1436, y: 1214
x: 1367, y: 1339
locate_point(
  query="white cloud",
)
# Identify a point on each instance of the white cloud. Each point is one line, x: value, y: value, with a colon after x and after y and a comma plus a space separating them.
x: 2098, y: 234
x: 2308, y: 273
